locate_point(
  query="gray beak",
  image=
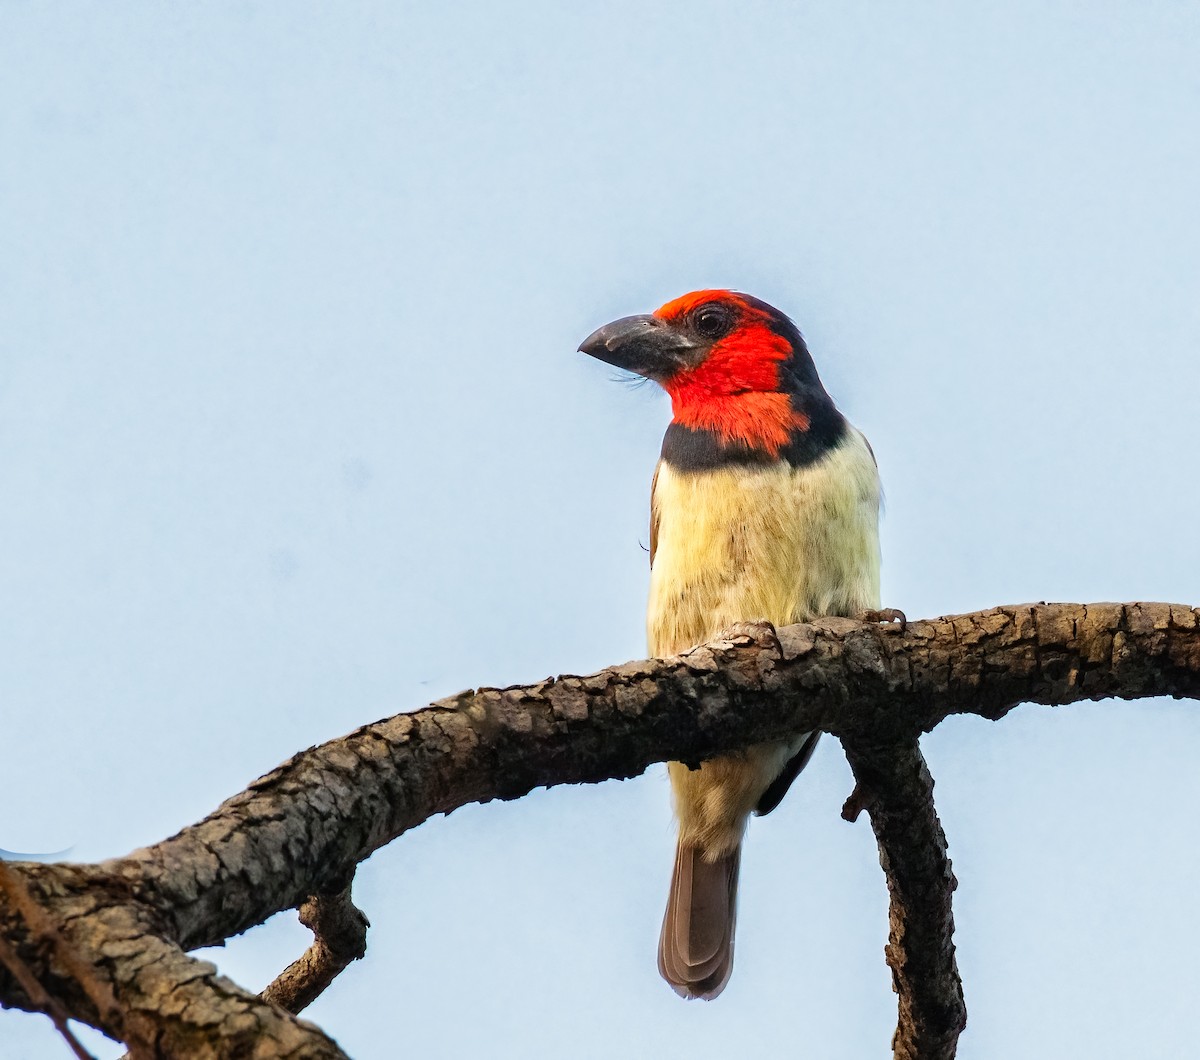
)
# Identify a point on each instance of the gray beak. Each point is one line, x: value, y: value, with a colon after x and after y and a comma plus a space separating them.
x: 642, y: 344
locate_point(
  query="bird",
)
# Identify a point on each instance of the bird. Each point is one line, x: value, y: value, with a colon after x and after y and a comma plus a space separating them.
x: 764, y: 506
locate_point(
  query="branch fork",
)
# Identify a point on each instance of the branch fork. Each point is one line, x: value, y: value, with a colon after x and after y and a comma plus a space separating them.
x: 108, y: 944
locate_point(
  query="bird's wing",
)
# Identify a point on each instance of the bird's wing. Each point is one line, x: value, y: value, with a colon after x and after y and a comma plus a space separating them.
x: 778, y: 787
x: 655, y: 515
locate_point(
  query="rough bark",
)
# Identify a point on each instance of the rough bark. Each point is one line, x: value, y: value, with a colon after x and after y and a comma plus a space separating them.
x: 116, y: 957
x: 896, y: 789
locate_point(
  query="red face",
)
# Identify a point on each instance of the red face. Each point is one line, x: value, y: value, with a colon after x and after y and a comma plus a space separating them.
x: 718, y: 354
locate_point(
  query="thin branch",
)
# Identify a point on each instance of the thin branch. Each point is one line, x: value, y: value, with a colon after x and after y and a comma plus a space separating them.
x: 897, y: 792
x: 339, y: 937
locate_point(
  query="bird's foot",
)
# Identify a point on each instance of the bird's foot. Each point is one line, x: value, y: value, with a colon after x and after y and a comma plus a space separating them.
x: 886, y: 614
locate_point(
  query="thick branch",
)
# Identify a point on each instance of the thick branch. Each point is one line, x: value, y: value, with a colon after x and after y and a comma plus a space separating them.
x: 302, y: 828
x: 38, y: 923
x: 167, y: 1004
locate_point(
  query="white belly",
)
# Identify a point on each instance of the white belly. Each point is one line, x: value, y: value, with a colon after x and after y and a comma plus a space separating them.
x: 777, y: 543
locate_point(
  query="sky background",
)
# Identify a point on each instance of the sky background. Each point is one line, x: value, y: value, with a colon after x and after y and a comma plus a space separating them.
x: 293, y: 436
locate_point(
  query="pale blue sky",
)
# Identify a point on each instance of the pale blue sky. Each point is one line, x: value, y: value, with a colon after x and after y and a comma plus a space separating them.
x: 293, y: 436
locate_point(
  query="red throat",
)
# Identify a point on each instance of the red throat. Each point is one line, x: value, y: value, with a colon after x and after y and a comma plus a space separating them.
x: 735, y: 390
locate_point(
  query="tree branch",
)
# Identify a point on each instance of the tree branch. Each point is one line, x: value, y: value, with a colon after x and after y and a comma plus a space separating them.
x: 16, y: 894
x: 339, y: 936
x: 301, y: 829
x: 898, y: 794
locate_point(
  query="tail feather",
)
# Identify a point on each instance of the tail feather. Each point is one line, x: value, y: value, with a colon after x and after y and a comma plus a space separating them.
x: 695, y: 950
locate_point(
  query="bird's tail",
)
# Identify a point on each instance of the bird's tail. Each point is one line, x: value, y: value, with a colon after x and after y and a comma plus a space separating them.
x: 695, y: 951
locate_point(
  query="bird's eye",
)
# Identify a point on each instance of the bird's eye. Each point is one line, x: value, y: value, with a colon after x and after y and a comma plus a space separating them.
x: 713, y: 321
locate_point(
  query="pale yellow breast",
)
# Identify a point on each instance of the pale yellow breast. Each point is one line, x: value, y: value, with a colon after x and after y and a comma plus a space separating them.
x: 777, y: 543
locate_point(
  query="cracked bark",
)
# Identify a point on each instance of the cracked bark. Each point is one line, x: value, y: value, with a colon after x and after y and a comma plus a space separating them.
x: 897, y: 792
x: 122, y: 928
